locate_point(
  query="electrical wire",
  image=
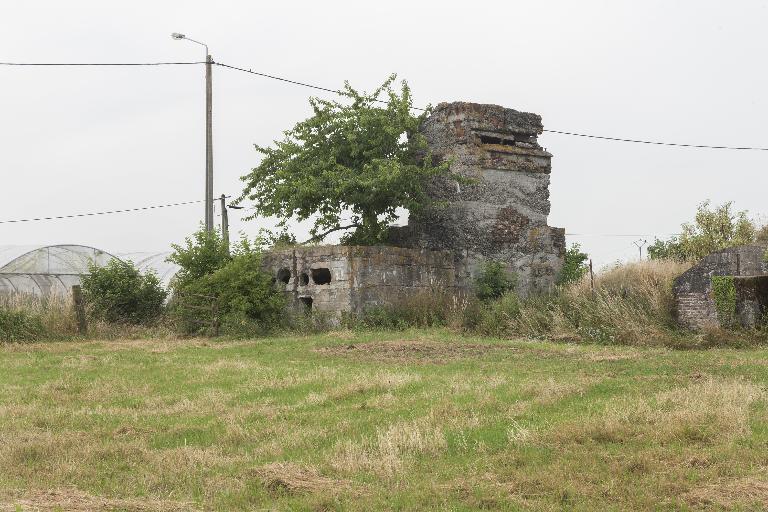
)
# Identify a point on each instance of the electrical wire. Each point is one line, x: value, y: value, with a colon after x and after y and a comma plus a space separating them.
x: 573, y: 134
x: 658, y: 143
x: 286, y: 80
x: 621, y: 235
x: 99, y: 63
x: 335, y: 91
x: 92, y: 214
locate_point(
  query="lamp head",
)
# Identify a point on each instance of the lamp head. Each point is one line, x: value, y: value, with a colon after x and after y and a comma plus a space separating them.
x: 176, y: 35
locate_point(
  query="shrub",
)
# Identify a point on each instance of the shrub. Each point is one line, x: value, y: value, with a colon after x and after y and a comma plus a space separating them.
x: 201, y: 254
x: 220, y: 293
x: 20, y: 325
x: 574, y: 267
x: 494, y: 281
x: 119, y: 293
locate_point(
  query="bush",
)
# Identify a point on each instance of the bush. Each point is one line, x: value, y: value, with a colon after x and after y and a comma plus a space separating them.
x: 20, y: 325
x: 494, y: 281
x: 202, y: 254
x: 218, y: 293
x: 119, y: 293
x: 574, y: 267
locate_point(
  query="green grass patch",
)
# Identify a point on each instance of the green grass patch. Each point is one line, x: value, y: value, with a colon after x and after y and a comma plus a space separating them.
x: 408, y: 420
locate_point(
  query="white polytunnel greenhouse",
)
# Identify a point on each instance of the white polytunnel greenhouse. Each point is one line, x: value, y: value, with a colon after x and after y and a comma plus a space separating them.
x: 54, y: 269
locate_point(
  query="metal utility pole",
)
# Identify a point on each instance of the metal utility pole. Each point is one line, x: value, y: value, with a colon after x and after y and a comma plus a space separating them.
x: 640, y: 244
x: 224, y: 222
x: 208, y: 131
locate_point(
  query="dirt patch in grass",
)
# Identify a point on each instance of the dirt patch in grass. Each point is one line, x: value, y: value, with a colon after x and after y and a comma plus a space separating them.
x: 731, y: 494
x: 414, y: 351
x: 287, y: 477
x: 73, y: 500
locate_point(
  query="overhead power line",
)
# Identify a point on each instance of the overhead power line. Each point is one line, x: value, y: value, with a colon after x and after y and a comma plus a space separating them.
x: 99, y: 63
x: 657, y: 143
x: 336, y: 91
x: 108, y: 212
x: 622, y: 234
x: 573, y: 134
x: 294, y: 82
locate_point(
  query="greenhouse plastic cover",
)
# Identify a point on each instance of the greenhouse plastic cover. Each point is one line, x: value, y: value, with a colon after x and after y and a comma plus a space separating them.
x: 54, y: 269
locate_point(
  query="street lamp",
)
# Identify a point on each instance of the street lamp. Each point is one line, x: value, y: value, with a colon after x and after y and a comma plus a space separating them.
x: 208, y: 132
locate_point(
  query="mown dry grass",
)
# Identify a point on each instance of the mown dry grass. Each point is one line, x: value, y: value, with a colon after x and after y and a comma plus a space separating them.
x: 72, y: 500
x: 417, y: 420
x: 390, y: 449
x: 714, y: 410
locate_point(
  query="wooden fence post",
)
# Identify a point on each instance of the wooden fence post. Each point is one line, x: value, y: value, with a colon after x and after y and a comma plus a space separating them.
x: 77, y: 300
x: 591, y: 277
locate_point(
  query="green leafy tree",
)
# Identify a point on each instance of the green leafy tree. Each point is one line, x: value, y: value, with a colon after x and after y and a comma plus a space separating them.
x: 281, y: 239
x: 670, y: 249
x: 361, y: 158
x: 574, y: 267
x: 494, y: 281
x: 713, y: 229
x: 119, y: 293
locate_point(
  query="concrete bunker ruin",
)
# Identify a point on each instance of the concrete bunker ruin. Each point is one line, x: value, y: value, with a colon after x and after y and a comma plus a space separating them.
x: 501, y: 212
x: 695, y: 300
x: 498, y: 213
x: 353, y: 278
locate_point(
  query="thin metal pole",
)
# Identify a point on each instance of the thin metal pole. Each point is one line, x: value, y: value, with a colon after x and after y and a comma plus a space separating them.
x: 224, y: 222
x: 208, y: 144
x: 639, y: 244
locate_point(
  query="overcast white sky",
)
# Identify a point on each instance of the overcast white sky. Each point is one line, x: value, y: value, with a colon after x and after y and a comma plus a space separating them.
x: 88, y: 139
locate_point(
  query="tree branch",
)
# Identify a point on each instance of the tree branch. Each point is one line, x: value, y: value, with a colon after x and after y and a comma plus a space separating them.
x: 326, y: 233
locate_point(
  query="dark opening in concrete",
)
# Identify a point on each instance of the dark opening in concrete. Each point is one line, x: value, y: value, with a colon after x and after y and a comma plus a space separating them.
x: 307, y: 301
x: 489, y: 139
x: 284, y: 275
x: 321, y: 275
x: 303, y: 279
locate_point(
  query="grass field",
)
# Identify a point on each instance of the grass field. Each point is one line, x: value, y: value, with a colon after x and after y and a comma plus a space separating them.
x: 410, y: 420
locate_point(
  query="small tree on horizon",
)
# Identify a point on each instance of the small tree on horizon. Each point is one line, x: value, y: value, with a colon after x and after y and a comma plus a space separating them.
x: 713, y: 229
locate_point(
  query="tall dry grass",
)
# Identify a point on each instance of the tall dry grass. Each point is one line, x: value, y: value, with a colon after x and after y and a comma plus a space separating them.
x: 27, y: 317
x: 630, y: 304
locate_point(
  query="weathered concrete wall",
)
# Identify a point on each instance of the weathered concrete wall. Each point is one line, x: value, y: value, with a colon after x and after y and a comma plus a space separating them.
x: 501, y: 213
x: 338, y: 279
x: 751, y: 300
x: 383, y: 275
x: 693, y: 289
